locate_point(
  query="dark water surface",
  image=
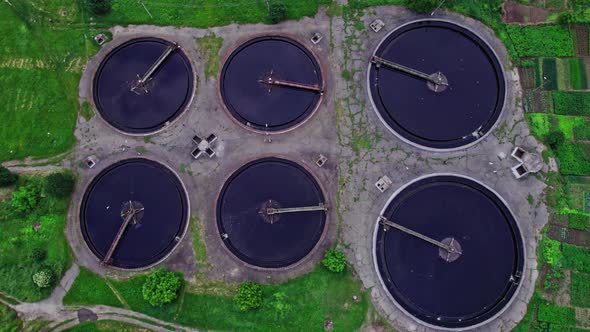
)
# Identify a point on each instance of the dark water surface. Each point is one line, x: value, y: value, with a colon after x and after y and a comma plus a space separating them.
x: 169, y: 91
x: 450, y: 294
x: 251, y: 237
x: 165, y: 215
x: 251, y: 102
x: 472, y: 102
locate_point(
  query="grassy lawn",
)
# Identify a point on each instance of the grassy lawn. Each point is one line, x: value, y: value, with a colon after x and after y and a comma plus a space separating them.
x: 310, y: 300
x: 106, y: 326
x: 47, y: 43
x: 18, y: 239
x: 89, y: 289
x: 40, y: 67
x: 9, y: 322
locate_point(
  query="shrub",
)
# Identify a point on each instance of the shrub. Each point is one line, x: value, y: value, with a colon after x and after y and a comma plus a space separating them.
x: 99, y: 7
x: 161, y: 287
x: 249, y: 296
x: 422, y: 6
x: 26, y: 198
x: 555, y: 139
x: 43, y: 278
x: 7, y: 178
x: 277, y: 12
x: 60, y: 185
x: 38, y: 254
x: 334, y: 260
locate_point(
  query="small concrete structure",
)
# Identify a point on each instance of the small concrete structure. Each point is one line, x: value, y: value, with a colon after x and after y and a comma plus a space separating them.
x: 100, y: 38
x: 529, y: 162
x: 321, y: 160
x: 90, y: 161
x: 316, y: 38
x: 377, y: 25
x: 383, y: 183
x: 203, y: 146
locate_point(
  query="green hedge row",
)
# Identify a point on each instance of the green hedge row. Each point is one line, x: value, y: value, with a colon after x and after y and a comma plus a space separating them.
x: 571, y: 102
x: 541, y: 40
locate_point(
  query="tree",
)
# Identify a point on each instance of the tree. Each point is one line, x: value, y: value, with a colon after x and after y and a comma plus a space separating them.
x: 277, y: 12
x: 99, y: 7
x: 38, y: 254
x: 7, y: 178
x: 161, y: 287
x: 422, y: 6
x: 334, y: 260
x: 26, y: 198
x: 555, y: 139
x: 43, y: 278
x: 60, y: 185
x: 249, y: 296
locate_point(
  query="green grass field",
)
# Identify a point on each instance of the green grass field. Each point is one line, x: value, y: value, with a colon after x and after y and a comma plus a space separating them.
x: 105, y: 326
x: 41, y: 61
x: 310, y: 300
x: 40, y: 68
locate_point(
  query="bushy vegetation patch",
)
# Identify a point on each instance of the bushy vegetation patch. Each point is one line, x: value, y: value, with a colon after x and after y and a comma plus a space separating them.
x: 571, y: 102
x: 541, y: 40
x: 249, y: 296
x: 579, y: 13
x: 31, y: 240
x: 7, y: 178
x: 60, y: 184
x: 161, y: 287
x: 334, y: 260
x: 580, y: 289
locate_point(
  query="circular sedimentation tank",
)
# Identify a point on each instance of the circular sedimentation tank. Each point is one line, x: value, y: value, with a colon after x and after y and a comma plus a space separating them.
x: 143, y: 85
x: 436, y: 85
x: 140, y: 202
x: 271, y: 84
x: 474, y: 271
x: 268, y: 240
